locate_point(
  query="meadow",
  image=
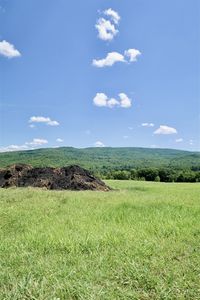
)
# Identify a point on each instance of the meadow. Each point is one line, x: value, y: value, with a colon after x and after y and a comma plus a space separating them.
x: 138, y: 241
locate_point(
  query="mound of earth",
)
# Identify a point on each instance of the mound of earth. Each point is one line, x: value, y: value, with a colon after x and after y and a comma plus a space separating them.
x: 66, y: 178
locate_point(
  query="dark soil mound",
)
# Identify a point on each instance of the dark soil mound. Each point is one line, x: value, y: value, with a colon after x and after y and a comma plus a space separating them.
x: 67, y: 178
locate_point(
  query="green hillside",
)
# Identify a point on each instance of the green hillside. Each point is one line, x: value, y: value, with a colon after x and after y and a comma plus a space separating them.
x: 98, y: 159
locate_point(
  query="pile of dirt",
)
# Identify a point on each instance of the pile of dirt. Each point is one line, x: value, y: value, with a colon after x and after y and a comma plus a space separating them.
x: 66, y: 178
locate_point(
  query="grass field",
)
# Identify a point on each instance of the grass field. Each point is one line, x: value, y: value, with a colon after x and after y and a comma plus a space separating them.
x: 141, y: 241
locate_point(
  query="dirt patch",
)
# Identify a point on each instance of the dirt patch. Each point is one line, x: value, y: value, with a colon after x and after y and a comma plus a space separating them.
x: 66, y: 178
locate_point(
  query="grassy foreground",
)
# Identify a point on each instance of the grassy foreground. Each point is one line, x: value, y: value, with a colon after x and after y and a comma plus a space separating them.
x: 141, y: 241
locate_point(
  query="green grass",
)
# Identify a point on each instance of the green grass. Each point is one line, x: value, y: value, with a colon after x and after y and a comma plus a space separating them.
x: 141, y: 241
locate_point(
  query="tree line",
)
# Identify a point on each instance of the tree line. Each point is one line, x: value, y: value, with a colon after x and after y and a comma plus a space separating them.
x: 152, y: 174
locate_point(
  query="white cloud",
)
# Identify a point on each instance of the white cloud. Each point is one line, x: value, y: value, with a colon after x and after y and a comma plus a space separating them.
x: 114, y: 57
x: 113, y: 102
x: 106, y: 30
x: 99, y: 144
x: 32, y: 126
x: 163, y: 129
x: 39, y: 119
x: 179, y: 140
x: 125, y: 137
x: 110, y: 60
x: 132, y: 54
x: 147, y: 124
x: 45, y: 120
x: 113, y: 14
x: 8, y: 50
x: 59, y: 140
x: 130, y: 128
x: 102, y: 100
x: 27, y: 146
x: 107, y: 27
x: 37, y: 142
x: 11, y: 148
x: 125, y: 101
x: 53, y: 123
x: 191, y: 142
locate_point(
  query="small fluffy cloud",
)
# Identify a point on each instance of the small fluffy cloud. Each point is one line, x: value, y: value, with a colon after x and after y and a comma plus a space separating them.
x: 132, y: 54
x: 8, y: 50
x: 106, y: 30
x: 163, y: 129
x: 107, y: 27
x: 53, y: 123
x: 102, y: 100
x: 27, y: 146
x: 37, y: 142
x: 12, y: 148
x: 110, y: 60
x: 147, y: 124
x: 179, y: 140
x: 99, y: 144
x: 45, y: 120
x: 113, y: 14
x: 112, y: 102
x: 59, y: 140
x: 191, y: 142
x: 125, y: 101
x: 114, y: 57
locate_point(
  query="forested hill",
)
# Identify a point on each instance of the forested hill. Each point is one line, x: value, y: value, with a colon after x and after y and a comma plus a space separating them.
x: 99, y: 159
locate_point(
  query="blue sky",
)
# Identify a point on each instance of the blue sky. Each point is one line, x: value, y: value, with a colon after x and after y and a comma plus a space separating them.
x: 59, y: 86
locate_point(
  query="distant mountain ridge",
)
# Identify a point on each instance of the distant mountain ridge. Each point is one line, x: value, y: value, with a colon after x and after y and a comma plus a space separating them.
x: 104, y: 158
